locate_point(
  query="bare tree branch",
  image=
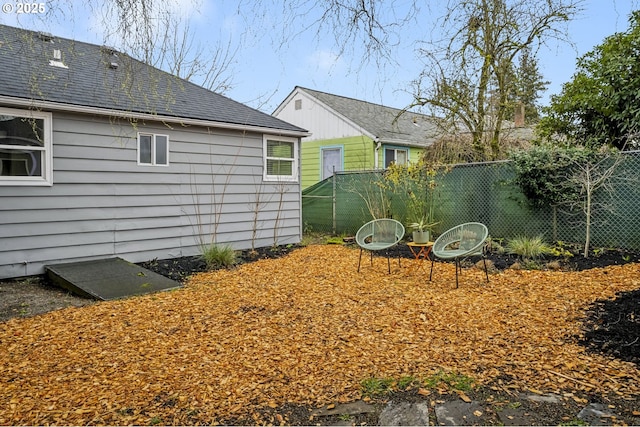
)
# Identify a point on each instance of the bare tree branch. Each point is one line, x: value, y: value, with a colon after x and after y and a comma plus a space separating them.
x: 483, y: 38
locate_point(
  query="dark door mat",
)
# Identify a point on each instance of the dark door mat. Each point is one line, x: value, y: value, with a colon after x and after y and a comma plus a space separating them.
x: 107, y: 279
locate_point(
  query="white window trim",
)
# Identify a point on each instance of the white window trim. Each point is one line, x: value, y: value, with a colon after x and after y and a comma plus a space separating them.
x: 47, y: 159
x: 153, y: 149
x: 287, y: 178
x: 395, y: 153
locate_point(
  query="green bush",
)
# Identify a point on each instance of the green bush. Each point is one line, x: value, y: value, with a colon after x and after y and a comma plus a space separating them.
x: 219, y: 256
x: 528, y: 247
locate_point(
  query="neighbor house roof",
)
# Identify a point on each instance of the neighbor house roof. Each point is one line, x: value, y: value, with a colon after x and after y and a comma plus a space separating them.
x: 44, y: 70
x: 384, y: 124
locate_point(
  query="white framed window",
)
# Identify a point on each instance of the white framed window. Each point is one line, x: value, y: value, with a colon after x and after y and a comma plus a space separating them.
x: 26, y: 153
x: 153, y: 149
x: 399, y: 156
x: 280, y: 158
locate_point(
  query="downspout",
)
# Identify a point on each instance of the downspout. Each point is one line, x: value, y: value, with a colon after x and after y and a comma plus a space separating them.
x: 376, y: 155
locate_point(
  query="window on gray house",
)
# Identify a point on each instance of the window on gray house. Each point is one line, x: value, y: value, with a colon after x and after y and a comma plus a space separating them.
x: 281, y: 158
x: 25, y: 147
x: 153, y: 149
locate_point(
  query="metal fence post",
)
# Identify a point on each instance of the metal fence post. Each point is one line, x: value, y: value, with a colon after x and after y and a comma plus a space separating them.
x: 333, y: 200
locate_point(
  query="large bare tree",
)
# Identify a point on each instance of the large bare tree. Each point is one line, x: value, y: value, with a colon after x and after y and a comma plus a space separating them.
x: 469, y: 54
x: 467, y: 74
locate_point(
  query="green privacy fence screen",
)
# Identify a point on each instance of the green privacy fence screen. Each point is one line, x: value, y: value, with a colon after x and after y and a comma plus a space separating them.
x: 487, y: 193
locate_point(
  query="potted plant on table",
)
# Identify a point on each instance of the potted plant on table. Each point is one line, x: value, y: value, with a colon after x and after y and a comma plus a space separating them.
x: 417, y: 185
x: 420, y: 206
x: 422, y: 230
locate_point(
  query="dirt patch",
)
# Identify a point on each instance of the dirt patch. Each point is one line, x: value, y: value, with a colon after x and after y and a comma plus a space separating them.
x: 34, y: 295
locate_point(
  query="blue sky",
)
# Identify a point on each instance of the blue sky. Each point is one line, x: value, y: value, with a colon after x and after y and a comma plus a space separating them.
x: 266, y: 68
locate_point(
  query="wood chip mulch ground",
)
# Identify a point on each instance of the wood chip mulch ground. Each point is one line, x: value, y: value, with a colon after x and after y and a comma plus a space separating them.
x: 304, y: 329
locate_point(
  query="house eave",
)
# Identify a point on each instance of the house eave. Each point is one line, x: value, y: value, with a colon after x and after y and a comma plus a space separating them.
x: 182, y: 121
x: 404, y: 143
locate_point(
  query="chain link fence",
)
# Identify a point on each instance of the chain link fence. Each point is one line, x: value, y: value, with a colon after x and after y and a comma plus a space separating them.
x: 486, y: 193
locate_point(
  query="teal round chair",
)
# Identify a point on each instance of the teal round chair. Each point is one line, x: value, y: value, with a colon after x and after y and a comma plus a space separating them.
x: 379, y: 235
x: 460, y: 242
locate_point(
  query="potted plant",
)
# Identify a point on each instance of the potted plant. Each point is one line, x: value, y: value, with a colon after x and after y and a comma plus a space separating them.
x: 416, y: 185
x: 422, y: 230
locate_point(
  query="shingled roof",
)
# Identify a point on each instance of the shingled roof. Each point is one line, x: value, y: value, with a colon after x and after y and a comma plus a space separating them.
x: 38, y: 67
x: 385, y: 124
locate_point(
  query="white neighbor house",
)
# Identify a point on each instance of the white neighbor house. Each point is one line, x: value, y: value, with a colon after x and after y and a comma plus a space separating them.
x: 103, y: 156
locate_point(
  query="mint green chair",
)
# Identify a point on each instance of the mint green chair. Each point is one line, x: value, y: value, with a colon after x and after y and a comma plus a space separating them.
x: 459, y: 242
x: 379, y: 235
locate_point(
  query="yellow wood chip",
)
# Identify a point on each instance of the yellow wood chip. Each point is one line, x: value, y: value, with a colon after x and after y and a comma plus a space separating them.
x: 301, y: 330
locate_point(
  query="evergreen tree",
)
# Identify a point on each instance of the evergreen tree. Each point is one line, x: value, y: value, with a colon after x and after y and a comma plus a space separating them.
x: 529, y: 84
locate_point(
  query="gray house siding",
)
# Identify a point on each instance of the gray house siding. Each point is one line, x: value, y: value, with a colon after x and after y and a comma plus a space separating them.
x: 102, y: 203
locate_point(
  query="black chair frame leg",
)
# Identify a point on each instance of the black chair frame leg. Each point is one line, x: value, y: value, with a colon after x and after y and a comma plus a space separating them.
x: 486, y: 273
x: 388, y: 262
x: 388, y: 253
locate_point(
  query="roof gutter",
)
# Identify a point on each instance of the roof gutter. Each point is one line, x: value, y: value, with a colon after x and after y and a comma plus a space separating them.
x: 182, y: 121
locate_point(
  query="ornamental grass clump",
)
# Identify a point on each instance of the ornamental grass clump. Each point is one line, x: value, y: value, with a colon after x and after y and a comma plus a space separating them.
x: 219, y: 256
x: 528, y: 247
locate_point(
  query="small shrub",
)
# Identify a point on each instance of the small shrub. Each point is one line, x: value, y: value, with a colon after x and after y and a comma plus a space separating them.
x: 528, y: 247
x: 219, y: 256
x: 559, y: 250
